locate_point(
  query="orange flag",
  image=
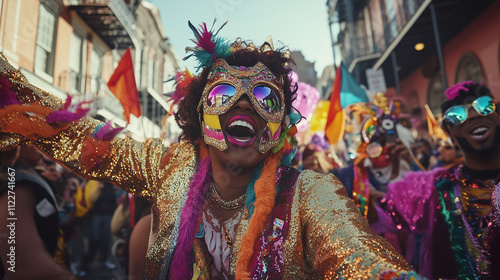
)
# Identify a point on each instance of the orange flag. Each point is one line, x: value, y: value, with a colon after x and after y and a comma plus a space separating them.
x: 435, y: 131
x: 335, y: 122
x: 122, y: 85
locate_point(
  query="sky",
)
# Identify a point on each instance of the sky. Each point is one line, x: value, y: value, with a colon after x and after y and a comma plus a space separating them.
x: 299, y: 25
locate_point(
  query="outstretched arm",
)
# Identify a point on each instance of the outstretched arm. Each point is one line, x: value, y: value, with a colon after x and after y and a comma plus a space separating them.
x: 129, y: 164
x: 338, y: 239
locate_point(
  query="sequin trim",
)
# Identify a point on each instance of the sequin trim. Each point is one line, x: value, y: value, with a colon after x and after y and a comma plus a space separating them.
x: 268, y: 261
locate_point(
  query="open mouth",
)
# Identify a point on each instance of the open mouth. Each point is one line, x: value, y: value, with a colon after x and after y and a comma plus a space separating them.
x: 479, y: 132
x: 241, y: 131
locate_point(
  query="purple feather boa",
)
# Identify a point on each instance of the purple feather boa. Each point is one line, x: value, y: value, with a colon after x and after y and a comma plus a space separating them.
x: 189, y: 216
x: 107, y: 132
x: 65, y: 116
x: 8, y: 97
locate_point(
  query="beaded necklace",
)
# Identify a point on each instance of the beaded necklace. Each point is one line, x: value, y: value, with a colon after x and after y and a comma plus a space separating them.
x: 468, y: 191
x: 462, y: 219
x: 227, y: 204
x: 223, y: 230
x: 457, y: 240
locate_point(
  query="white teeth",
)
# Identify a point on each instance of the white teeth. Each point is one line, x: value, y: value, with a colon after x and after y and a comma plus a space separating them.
x: 242, y: 123
x: 479, y: 130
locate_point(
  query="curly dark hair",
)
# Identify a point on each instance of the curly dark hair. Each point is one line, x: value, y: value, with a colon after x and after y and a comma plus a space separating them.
x: 246, y: 55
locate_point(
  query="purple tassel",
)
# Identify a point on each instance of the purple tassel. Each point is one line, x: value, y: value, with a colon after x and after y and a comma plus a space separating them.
x: 7, y: 96
x: 189, y: 217
x: 107, y: 132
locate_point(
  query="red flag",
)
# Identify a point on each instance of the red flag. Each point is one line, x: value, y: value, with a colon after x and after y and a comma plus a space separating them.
x: 122, y: 85
x: 335, y: 122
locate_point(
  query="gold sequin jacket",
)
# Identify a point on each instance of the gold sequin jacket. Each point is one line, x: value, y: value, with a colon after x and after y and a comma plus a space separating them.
x: 327, y: 237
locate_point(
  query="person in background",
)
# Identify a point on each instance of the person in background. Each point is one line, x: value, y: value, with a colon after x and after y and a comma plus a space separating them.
x: 138, y: 247
x: 38, y: 244
x: 448, y: 155
x: 314, y: 158
x: 104, y: 204
x: 49, y: 172
x: 452, y: 207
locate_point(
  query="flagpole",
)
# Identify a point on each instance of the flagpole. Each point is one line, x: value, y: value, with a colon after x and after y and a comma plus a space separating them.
x: 333, y: 44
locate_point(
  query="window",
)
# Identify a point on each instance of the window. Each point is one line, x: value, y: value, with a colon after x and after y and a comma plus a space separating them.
x: 76, y: 63
x: 151, y: 73
x: 390, y: 10
x: 44, y: 50
x: 469, y: 69
x: 96, y: 61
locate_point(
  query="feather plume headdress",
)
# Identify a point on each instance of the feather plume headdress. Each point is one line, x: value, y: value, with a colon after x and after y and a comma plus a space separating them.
x: 208, y: 45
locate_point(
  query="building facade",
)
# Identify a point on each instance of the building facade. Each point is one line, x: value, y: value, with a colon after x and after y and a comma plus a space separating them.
x: 71, y: 47
x: 422, y: 46
x: 304, y: 68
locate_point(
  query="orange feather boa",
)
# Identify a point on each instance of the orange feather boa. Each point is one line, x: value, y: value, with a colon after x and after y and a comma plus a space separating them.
x: 265, y: 192
x: 29, y: 121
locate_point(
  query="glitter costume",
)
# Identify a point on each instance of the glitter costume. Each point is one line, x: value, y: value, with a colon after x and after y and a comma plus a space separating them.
x: 443, y: 204
x: 310, y: 229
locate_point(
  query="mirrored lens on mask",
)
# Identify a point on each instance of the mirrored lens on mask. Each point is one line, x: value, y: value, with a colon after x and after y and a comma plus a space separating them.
x: 220, y: 95
x: 268, y: 99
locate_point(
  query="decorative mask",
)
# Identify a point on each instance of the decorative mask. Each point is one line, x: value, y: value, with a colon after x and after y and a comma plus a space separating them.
x: 226, y: 85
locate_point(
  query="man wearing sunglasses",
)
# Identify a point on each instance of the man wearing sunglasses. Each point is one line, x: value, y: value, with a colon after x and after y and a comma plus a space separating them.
x: 453, y: 207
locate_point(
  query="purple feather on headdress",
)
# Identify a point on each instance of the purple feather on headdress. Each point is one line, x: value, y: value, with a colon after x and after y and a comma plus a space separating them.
x: 203, y: 38
x: 7, y: 96
x: 208, y: 46
x: 107, y: 132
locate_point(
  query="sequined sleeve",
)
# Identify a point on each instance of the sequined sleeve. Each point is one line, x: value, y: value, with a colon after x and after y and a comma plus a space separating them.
x: 339, y: 243
x: 132, y: 165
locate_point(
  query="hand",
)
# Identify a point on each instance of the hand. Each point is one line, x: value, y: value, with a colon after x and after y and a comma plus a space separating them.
x: 398, y: 151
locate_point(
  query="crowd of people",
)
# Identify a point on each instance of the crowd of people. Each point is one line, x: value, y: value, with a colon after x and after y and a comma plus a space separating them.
x: 73, y: 214
x: 236, y: 198
x: 433, y: 197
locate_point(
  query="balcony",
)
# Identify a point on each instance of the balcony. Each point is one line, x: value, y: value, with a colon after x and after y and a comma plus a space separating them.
x: 110, y: 19
x: 347, y: 9
x: 396, y: 30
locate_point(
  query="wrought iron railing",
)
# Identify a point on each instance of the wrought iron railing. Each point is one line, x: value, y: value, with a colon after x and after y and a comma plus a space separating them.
x: 356, y: 44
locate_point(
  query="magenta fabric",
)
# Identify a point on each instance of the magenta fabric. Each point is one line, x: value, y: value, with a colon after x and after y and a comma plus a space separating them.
x: 410, y: 206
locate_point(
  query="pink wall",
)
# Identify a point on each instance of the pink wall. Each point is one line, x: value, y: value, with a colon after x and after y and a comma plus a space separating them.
x: 482, y: 38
